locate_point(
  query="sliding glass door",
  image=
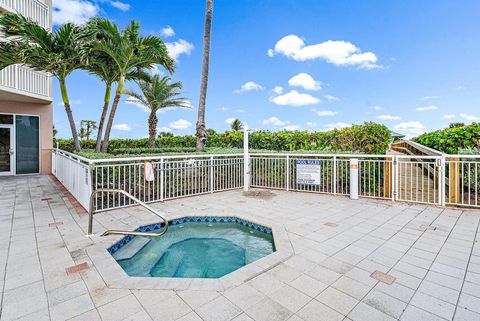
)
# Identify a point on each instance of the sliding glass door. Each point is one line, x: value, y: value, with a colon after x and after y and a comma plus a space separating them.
x: 6, y: 149
x: 27, y: 140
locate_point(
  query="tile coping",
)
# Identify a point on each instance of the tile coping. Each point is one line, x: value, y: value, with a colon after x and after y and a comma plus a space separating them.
x: 115, y: 277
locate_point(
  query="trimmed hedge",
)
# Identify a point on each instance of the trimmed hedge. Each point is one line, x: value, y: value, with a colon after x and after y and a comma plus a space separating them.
x: 368, y: 138
x: 452, y: 140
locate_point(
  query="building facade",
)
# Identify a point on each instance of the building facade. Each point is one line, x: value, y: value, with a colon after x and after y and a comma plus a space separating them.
x: 26, y: 109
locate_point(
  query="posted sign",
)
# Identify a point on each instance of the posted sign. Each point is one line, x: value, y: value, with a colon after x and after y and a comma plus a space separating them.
x: 308, y: 171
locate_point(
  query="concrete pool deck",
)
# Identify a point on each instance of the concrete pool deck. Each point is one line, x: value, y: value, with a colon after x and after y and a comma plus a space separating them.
x: 359, y: 260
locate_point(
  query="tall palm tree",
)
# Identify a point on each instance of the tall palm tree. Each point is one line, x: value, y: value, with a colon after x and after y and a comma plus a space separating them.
x: 130, y: 51
x: 236, y: 125
x: 157, y: 93
x: 54, y: 52
x: 201, y: 129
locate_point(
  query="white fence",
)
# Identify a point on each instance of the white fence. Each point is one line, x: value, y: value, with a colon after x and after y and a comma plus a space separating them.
x: 439, y: 180
x: 34, y: 9
x: 25, y: 79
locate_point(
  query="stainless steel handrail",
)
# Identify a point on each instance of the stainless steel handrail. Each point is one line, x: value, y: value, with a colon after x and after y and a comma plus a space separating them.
x: 119, y: 232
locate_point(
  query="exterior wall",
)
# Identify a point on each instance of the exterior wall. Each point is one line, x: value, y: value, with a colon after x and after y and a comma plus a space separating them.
x: 46, y: 127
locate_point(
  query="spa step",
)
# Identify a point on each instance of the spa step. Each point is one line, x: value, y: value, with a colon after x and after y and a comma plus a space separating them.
x: 132, y: 248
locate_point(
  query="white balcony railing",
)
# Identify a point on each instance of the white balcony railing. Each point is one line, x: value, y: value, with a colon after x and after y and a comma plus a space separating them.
x: 36, y: 10
x: 26, y: 80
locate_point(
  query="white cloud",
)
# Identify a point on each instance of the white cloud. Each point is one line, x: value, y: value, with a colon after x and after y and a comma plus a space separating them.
x: 135, y: 102
x: 331, y: 98
x: 427, y: 108
x: 229, y: 121
x: 180, y: 124
x: 411, y: 127
x: 323, y: 113
x: 274, y: 121
x: 76, y: 11
x: 388, y: 117
x: 430, y: 97
x: 123, y: 127
x: 469, y: 117
x: 223, y: 108
x: 294, y: 98
x: 338, y: 125
x: 339, y: 53
x: 449, y: 116
x: 180, y: 47
x: 305, y: 81
x: 278, y: 90
x: 292, y: 127
x: 249, y: 86
x: 167, y: 32
x: 120, y: 5
x: 164, y: 129
x: 311, y: 124
x: 376, y: 108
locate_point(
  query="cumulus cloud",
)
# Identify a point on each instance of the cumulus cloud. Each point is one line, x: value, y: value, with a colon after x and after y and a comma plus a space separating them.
x: 292, y: 127
x: 274, y: 121
x: 449, y: 116
x: 338, y: 125
x: 122, y: 127
x: 135, y: 102
x: 167, y: 32
x: 470, y: 117
x: 305, y: 81
x: 426, y: 108
x: 339, y: 53
x: 331, y: 98
x: 229, y: 121
x: 311, y: 124
x: 323, y: 113
x: 180, y: 124
x: 388, y: 117
x: 120, y: 5
x: 76, y: 11
x: 376, y: 108
x: 294, y: 98
x: 177, y: 48
x: 164, y: 129
x: 223, y: 108
x: 249, y: 86
x: 411, y: 127
x: 278, y: 90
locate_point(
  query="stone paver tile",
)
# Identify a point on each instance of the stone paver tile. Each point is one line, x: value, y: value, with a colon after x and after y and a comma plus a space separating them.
x: 91, y: 315
x: 361, y: 276
x: 284, y: 273
x: 290, y: 298
x: 120, y: 309
x: 316, y: 311
x: 323, y: 274
x: 300, y: 263
x: 24, y: 300
x: 219, y: 309
x: 66, y: 292
x: 444, y: 280
x: 243, y: 317
x: 351, y: 287
x: 472, y: 289
x: 465, y: 315
x: 412, y: 313
x: 385, y: 303
x: 383, y: 277
x: 162, y: 305
x: 406, y: 279
x: 196, y: 299
x: 244, y: 296
x: 364, y: 312
x: 336, y: 265
x: 192, y: 316
x: 469, y: 302
x: 396, y: 290
x: 71, y: 308
x: 308, y: 285
x: 266, y: 283
x: 433, y: 305
x: 337, y: 300
x: 269, y: 310
x: 42, y: 315
x: 295, y: 318
x: 439, y: 292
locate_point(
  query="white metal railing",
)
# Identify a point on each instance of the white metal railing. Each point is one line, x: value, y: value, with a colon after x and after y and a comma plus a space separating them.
x: 34, y: 9
x: 439, y: 180
x: 26, y: 80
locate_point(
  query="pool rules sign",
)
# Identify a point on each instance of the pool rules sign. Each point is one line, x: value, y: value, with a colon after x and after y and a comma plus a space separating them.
x: 308, y: 171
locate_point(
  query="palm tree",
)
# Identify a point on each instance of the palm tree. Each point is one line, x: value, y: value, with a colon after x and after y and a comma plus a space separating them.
x: 201, y: 129
x: 236, y: 125
x: 157, y: 93
x: 130, y: 51
x: 54, y: 52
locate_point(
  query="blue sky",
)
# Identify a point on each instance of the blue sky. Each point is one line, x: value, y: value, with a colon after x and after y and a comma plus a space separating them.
x: 300, y: 64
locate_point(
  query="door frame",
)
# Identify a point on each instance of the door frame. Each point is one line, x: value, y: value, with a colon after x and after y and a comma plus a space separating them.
x: 13, y: 147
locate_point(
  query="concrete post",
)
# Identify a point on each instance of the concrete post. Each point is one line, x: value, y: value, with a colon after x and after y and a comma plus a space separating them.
x: 354, y: 178
x: 246, y: 161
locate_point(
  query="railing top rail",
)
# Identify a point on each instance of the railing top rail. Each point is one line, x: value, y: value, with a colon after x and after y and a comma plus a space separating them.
x: 73, y: 156
x: 423, y: 148
x: 153, y: 158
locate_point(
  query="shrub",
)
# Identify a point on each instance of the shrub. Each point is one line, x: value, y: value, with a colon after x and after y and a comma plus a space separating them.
x: 452, y: 140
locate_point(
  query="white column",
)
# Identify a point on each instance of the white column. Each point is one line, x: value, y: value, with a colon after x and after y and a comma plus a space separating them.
x: 246, y: 161
x: 354, y: 178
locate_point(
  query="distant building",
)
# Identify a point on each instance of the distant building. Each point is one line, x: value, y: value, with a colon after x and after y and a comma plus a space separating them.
x: 396, y: 136
x: 26, y: 104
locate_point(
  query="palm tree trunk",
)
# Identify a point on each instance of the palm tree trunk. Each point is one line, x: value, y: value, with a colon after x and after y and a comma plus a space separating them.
x: 201, y: 130
x: 116, y: 100
x: 106, y: 102
x: 152, y: 128
x: 68, y: 110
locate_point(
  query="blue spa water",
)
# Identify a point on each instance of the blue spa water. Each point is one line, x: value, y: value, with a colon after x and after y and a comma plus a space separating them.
x: 198, y: 250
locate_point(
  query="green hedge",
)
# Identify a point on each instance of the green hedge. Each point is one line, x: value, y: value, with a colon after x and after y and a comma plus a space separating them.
x: 452, y: 140
x: 368, y: 138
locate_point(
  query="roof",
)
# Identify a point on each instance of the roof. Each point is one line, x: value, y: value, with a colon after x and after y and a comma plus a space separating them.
x: 394, y: 134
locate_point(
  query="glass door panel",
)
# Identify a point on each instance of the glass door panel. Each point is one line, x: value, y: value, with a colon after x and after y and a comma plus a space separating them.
x: 6, y: 150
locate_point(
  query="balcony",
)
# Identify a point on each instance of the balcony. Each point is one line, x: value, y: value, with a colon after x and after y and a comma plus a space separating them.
x: 24, y: 81
x: 36, y: 10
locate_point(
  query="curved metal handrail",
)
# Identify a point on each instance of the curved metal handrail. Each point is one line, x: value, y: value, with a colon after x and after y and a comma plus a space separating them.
x: 119, y: 232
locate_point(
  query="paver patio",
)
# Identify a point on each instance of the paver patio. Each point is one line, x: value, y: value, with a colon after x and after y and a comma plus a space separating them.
x: 431, y: 254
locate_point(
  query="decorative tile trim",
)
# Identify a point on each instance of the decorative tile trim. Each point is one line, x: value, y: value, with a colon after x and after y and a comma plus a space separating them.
x: 191, y: 219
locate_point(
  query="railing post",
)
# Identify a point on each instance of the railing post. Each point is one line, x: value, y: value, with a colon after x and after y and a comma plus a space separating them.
x: 387, y: 178
x: 354, y: 178
x: 211, y: 175
x: 246, y: 161
x: 334, y: 174
x: 287, y: 177
x: 162, y: 179
x: 393, y: 179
